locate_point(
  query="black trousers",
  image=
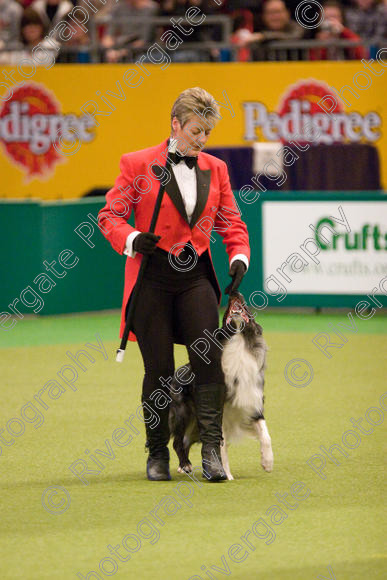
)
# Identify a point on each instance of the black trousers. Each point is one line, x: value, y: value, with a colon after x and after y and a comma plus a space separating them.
x: 177, y: 305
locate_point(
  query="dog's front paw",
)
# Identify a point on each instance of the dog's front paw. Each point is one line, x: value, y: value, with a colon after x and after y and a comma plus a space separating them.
x: 267, y: 459
x: 185, y: 468
x: 229, y: 477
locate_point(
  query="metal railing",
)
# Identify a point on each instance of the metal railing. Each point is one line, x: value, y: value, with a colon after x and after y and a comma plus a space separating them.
x: 296, y: 50
x: 206, y: 50
x: 202, y: 48
x: 165, y: 21
x: 97, y: 53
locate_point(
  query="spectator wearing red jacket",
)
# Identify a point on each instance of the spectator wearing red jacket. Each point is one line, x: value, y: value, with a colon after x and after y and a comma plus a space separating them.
x: 331, y: 29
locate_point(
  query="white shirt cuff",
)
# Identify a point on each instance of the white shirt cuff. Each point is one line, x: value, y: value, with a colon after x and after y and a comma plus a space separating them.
x: 243, y: 259
x: 129, y: 244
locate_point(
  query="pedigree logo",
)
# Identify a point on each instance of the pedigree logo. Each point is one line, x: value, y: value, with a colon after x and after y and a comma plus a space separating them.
x: 36, y: 135
x: 302, y: 115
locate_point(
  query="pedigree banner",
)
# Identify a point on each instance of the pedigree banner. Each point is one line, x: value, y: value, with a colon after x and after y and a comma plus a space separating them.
x: 63, y: 129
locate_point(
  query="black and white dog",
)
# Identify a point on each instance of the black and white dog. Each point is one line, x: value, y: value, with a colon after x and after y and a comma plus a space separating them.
x: 243, y: 362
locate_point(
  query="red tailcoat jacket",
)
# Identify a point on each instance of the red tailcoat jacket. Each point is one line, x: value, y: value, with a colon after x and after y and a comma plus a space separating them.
x: 136, y: 190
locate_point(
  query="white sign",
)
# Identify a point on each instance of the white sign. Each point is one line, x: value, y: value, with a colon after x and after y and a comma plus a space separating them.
x: 352, y: 258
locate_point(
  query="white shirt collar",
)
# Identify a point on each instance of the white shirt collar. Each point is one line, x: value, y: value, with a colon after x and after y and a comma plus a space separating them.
x: 172, y: 145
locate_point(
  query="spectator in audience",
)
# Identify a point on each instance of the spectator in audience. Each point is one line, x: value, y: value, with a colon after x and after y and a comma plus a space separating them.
x: 10, y: 15
x: 367, y: 19
x: 276, y: 25
x: 240, y: 37
x: 52, y: 11
x: 32, y: 33
x: 77, y: 48
x: 235, y: 7
x: 332, y: 28
x: 199, y: 34
x: 240, y: 18
x: 32, y: 29
x: 123, y: 32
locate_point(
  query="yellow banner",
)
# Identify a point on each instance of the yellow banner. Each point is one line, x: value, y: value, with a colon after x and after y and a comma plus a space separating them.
x: 63, y: 131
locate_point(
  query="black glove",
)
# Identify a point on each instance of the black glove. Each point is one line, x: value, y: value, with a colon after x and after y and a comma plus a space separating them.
x: 237, y: 271
x: 145, y: 243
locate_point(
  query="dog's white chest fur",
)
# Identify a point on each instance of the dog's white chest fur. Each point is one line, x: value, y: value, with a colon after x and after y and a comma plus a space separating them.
x: 244, y: 381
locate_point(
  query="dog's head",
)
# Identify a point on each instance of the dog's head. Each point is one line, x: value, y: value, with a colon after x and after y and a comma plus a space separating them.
x: 239, y: 317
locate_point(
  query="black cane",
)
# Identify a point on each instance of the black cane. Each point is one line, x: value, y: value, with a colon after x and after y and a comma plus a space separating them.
x: 144, y: 262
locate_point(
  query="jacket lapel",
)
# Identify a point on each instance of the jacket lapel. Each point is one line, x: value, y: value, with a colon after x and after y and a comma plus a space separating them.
x: 203, y: 180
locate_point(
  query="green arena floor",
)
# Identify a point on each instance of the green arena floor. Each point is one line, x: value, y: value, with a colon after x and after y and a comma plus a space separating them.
x: 55, y: 526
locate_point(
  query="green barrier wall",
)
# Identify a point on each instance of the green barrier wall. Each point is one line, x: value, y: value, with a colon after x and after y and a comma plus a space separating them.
x: 33, y: 231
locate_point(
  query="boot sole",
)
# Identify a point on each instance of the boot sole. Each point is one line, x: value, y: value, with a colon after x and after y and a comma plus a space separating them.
x: 215, y: 479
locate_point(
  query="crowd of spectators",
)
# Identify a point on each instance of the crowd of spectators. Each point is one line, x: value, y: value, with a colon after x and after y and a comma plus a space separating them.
x: 121, y: 30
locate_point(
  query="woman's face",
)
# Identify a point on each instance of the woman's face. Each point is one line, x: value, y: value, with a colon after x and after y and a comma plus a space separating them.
x: 193, y: 136
x: 32, y: 33
x: 275, y: 15
x: 333, y: 14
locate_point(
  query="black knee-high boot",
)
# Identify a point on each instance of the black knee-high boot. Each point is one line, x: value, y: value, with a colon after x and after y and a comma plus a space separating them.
x: 157, y: 435
x: 209, y: 402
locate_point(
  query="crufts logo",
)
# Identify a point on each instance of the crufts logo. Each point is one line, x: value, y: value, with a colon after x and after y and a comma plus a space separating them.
x: 301, y: 116
x: 368, y: 237
x: 33, y: 130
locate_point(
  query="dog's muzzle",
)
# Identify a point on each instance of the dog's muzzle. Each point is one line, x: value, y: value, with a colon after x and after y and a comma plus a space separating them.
x: 236, y: 313
x: 237, y: 322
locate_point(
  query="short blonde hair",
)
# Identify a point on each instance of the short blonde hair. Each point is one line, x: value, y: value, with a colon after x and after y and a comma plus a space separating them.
x: 193, y: 102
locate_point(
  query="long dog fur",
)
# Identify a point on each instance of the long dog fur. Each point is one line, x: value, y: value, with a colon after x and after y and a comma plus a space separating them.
x: 243, y: 363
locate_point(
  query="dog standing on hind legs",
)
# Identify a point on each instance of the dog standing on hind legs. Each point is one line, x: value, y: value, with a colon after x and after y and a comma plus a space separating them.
x: 243, y: 363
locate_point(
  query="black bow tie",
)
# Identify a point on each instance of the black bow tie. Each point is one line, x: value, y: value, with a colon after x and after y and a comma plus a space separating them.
x: 189, y: 161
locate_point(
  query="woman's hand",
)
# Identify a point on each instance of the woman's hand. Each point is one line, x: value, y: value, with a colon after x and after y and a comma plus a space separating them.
x: 145, y: 243
x: 237, y: 271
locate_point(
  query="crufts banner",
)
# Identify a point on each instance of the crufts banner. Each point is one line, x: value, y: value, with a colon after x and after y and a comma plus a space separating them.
x: 324, y: 247
x: 63, y: 130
